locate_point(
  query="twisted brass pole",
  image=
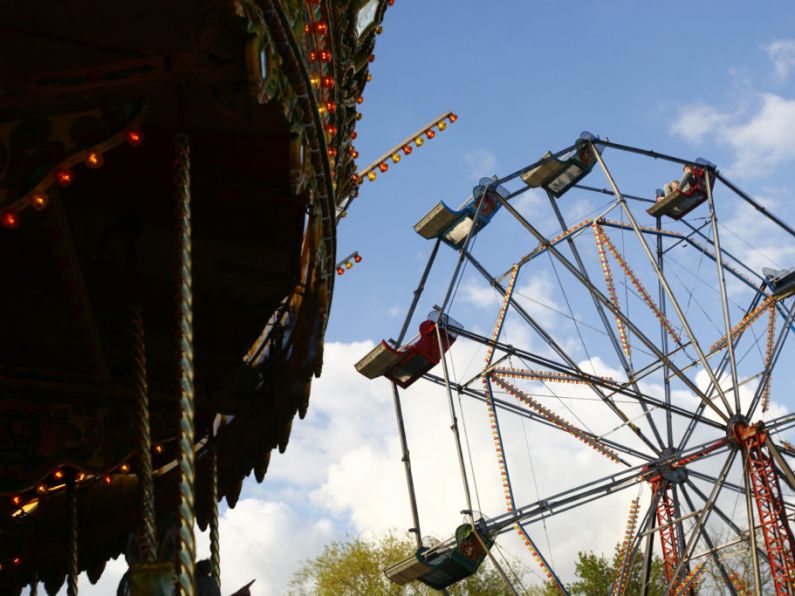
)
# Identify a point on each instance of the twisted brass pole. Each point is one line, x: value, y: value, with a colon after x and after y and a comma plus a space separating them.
x: 187, y: 543
x: 149, y: 540
x: 215, y: 544
x: 71, y: 525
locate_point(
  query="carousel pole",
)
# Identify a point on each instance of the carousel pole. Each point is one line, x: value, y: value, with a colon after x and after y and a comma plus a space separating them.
x: 186, y: 562
x: 149, y: 540
x: 71, y: 525
x: 215, y: 544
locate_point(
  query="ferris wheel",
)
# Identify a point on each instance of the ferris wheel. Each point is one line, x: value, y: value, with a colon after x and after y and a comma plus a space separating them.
x: 642, y: 334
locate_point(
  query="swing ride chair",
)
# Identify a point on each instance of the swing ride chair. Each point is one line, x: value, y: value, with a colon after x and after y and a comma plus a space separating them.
x: 405, y: 364
x: 557, y: 175
x: 683, y: 461
x: 453, y: 226
x: 679, y: 203
x: 445, y: 564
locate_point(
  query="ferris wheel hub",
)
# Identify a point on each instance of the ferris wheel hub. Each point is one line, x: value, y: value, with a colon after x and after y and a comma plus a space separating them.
x: 739, y: 429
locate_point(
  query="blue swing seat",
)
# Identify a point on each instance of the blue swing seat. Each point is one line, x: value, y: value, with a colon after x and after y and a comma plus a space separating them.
x: 443, y: 566
x: 453, y: 226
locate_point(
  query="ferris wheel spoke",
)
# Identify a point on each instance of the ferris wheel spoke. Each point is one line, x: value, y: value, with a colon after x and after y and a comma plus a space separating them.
x: 559, y: 350
x: 773, y: 359
x: 524, y: 412
x: 702, y: 518
x: 721, y: 368
x: 609, y: 306
x: 724, y: 298
x: 626, y: 364
x: 612, y: 387
x: 725, y: 574
x: 674, y: 303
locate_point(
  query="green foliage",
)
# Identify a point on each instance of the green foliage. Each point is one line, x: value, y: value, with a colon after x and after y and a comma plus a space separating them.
x: 356, y: 567
x: 596, y: 574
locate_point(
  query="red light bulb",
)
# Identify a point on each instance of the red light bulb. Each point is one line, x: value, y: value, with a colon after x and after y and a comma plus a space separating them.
x: 10, y: 220
x: 134, y: 137
x: 407, y: 149
x: 452, y: 118
x: 357, y: 258
x: 340, y: 271
x: 430, y: 133
x: 332, y: 152
x: 64, y: 177
x: 327, y: 82
x: 360, y: 99
x: 354, y: 135
x: 383, y: 166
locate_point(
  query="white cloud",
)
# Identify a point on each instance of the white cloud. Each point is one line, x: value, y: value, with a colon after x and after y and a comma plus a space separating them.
x: 761, y: 137
x: 782, y: 53
x: 480, y: 163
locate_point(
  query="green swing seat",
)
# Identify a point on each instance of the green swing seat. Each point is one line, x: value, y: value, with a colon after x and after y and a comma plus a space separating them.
x: 443, y: 565
x: 559, y: 175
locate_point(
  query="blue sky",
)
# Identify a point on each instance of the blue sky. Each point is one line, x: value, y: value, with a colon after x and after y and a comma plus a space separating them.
x: 525, y: 77
x: 713, y: 79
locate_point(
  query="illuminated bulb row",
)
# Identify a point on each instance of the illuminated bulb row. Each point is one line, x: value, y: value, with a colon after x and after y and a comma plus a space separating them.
x: 611, y: 291
x: 543, y: 375
x: 64, y: 177
x: 690, y: 580
x: 506, y: 487
x: 557, y: 420
x: 395, y: 157
x: 771, y: 332
x: 622, y: 577
x: 570, y: 231
x: 536, y: 555
x: 743, y: 325
x: 348, y: 262
x: 639, y: 286
x: 739, y: 584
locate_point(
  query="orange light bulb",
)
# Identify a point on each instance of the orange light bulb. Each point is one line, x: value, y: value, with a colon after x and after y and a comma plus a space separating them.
x: 125, y: 467
x: 430, y: 133
x: 327, y: 82
x: 158, y: 449
x: 58, y: 474
x: 357, y: 257
x: 10, y: 220
x: 94, y: 160
x: 39, y: 201
x: 64, y: 177
x: 383, y: 166
x: 407, y: 149
x: 360, y: 99
x: 419, y: 141
x: 16, y: 500
x: 452, y: 118
x: 321, y: 27
x: 355, y: 154
x: 107, y: 479
x: 41, y: 489
x: 340, y: 271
